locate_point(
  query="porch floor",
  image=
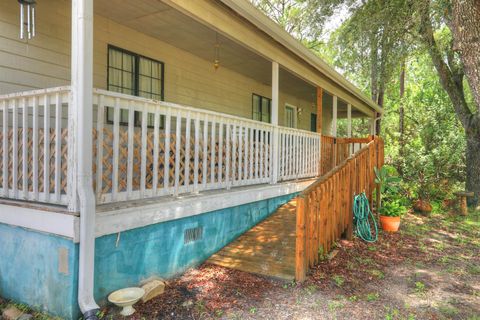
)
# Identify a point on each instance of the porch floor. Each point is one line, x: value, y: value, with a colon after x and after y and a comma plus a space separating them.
x: 266, y: 249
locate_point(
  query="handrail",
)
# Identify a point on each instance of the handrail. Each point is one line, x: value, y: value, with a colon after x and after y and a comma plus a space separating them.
x: 324, y: 209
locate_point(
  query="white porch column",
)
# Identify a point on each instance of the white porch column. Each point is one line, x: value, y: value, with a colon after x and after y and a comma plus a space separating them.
x: 349, y: 120
x: 82, y: 124
x: 334, y: 117
x: 274, y: 121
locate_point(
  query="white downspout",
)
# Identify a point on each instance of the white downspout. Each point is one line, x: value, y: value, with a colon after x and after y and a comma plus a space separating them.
x: 82, y: 93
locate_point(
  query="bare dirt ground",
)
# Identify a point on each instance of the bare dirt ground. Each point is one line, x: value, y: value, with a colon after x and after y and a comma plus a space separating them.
x: 428, y: 270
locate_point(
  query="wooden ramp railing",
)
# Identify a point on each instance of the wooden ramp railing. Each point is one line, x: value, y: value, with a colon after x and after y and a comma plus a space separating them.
x: 335, y: 150
x: 324, y: 210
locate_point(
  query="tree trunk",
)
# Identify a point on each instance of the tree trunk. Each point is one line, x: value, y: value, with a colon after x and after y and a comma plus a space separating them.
x: 401, y: 117
x: 380, y: 99
x: 450, y: 77
x: 466, y: 36
x: 473, y: 168
x: 373, y: 68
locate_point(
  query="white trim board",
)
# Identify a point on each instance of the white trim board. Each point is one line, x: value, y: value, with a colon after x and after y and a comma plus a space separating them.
x: 119, y: 217
x: 118, y: 220
x: 61, y: 224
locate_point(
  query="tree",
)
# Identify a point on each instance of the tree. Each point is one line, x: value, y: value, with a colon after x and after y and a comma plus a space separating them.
x: 303, y: 19
x: 379, y: 34
x: 452, y: 61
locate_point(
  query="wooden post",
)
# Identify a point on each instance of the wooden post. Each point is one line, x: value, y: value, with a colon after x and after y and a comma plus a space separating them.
x: 349, y: 120
x: 319, y: 109
x: 335, y: 116
x: 350, y: 192
x: 349, y: 127
x: 300, y: 255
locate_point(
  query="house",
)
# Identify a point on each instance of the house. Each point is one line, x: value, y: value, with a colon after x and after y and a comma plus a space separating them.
x: 139, y: 137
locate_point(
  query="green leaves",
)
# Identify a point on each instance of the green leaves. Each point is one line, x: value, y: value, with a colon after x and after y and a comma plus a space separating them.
x: 392, y: 208
x: 387, y: 182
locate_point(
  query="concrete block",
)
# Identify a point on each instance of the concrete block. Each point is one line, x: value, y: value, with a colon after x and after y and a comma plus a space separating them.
x: 12, y: 313
x: 153, y: 289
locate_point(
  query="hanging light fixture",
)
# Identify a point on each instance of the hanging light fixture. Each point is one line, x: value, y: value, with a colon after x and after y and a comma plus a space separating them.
x: 27, y: 26
x: 216, y: 61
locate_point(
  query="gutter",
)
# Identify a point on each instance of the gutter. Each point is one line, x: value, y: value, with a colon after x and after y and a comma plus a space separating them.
x: 82, y: 93
x: 257, y: 18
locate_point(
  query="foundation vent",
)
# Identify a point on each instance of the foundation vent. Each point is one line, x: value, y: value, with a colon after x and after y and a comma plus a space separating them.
x: 192, y: 234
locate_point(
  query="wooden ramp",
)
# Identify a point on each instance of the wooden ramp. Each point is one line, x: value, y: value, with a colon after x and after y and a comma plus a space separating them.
x: 267, y: 249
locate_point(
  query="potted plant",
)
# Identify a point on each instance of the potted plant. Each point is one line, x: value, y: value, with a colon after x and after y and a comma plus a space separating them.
x: 422, y: 204
x: 390, y: 213
x: 389, y: 206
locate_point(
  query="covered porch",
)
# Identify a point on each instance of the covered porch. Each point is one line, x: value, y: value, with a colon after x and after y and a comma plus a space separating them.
x: 206, y: 134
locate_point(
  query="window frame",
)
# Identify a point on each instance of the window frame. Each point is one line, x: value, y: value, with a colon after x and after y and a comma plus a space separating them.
x: 261, y: 104
x: 136, y: 89
x: 294, y: 115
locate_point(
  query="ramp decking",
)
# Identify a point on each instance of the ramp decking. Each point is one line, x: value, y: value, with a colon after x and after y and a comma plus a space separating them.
x: 266, y: 249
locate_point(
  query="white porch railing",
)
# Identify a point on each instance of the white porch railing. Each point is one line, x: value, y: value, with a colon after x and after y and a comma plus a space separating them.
x: 33, y: 148
x: 299, y: 154
x: 142, y: 148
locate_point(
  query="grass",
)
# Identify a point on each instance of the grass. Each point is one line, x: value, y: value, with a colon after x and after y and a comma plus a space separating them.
x: 377, y: 273
x: 420, y: 288
x: 448, y: 310
x: 373, y: 296
x: 339, y: 280
x: 335, y: 305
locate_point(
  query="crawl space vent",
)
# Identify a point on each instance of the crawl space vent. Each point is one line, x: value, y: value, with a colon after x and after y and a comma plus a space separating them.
x: 193, y: 234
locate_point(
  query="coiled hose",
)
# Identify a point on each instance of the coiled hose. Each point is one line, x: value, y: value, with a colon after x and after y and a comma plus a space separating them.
x: 361, y: 213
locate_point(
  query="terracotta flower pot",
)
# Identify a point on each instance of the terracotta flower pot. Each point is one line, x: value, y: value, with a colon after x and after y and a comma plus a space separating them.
x: 390, y: 224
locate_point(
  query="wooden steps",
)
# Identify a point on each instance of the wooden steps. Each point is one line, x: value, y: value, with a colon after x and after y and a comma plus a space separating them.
x: 266, y: 249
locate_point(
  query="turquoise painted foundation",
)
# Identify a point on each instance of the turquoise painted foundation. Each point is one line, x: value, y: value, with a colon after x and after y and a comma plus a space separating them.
x: 29, y: 260
x: 29, y: 270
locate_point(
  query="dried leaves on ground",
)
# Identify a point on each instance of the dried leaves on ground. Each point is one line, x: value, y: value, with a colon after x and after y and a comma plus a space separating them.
x: 428, y: 270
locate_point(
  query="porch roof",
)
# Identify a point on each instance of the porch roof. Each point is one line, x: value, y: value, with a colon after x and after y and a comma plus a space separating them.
x: 256, y: 17
x: 250, y: 40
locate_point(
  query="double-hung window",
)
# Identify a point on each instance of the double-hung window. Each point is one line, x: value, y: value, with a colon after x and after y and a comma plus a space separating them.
x: 133, y: 74
x: 261, y: 108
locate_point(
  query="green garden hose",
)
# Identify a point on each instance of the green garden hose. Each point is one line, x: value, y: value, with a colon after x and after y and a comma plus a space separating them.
x: 361, y: 212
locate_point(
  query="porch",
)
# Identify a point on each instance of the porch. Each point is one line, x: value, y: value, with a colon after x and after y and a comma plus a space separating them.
x: 173, y: 150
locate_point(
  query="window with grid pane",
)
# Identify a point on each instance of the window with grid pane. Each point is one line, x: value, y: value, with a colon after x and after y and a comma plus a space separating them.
x: 136, y: 75
x: 261, y: 108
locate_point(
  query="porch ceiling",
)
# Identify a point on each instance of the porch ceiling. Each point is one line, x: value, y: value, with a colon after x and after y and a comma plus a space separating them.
x: 158, y: 20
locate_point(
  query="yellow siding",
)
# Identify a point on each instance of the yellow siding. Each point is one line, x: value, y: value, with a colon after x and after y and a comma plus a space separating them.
x: 44, y: 62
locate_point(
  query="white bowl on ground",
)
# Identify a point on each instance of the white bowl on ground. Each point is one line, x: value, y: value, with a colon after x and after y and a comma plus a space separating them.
x: 126, y: 298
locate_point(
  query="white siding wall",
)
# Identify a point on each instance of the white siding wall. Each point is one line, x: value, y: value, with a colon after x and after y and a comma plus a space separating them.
x: 44, y: 62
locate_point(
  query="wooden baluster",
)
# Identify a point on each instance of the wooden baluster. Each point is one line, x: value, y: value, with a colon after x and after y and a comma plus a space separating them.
x: 156, y: 147
x: 167, y: 156
x: 25, y: 153
x: 130, y: 144
x: 5, y: 149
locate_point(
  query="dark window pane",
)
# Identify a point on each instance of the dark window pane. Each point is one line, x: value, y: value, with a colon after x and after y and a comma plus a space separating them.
x: 132, y: 74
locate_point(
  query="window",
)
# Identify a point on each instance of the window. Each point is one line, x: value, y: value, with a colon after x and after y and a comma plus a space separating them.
x: 290, y: 116
x: 261, y: 108
x: 136, y: 75
x: 313, y: 122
